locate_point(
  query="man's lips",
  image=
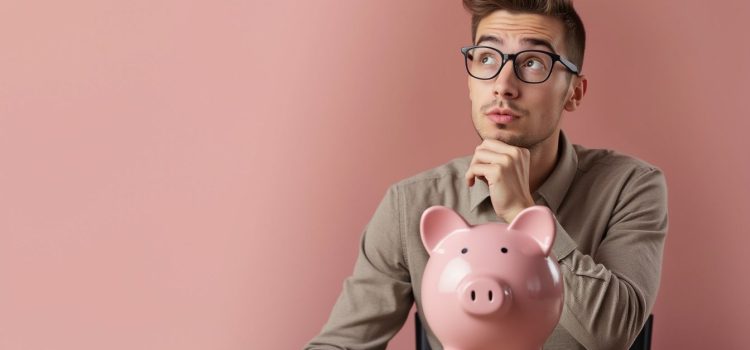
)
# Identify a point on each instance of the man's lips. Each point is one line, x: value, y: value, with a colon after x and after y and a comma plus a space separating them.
x: 501, y: 116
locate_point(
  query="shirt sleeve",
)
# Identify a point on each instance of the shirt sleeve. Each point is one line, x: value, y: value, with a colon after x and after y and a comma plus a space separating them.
x: 608, y: 296
x: 375, y: 300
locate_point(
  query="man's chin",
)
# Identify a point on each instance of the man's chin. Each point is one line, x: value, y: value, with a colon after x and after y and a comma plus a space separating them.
x: 504, y: 136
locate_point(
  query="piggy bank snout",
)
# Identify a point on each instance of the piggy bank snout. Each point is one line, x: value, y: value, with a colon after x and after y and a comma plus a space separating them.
x: 483, y: 296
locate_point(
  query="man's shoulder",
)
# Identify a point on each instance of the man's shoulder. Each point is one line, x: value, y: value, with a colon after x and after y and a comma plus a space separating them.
x: 446, y: 172
x: 607, y: 161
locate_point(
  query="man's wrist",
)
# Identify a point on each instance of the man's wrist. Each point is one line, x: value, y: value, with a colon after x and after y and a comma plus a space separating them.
x: 511, y: 214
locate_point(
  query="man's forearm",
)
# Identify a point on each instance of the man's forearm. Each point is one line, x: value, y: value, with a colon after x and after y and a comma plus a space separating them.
x: 609, y: 295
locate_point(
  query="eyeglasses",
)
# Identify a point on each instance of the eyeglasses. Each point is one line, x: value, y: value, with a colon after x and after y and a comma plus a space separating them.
x: 530, y: 66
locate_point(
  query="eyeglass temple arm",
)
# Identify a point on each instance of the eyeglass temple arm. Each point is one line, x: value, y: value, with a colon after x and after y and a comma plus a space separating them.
x: 570, y: 65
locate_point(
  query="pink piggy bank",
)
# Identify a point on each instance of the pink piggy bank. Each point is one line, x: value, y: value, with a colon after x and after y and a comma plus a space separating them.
x: 491, y: 286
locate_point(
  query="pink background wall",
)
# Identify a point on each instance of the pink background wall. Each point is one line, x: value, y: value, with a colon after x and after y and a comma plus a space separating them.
x: 196, y: 174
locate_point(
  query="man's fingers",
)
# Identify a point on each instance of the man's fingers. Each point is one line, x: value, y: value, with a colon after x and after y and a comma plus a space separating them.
x: 469, y: 176
x: 497, y: 155
x: 484, y: 156
x: 489, y: 163
x: 490, y: 173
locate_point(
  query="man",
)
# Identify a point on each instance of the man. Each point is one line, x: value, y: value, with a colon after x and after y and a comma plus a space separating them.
x: 611, y: 211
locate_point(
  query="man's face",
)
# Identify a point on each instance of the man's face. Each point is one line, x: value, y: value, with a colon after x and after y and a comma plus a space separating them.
x: 535, y: 108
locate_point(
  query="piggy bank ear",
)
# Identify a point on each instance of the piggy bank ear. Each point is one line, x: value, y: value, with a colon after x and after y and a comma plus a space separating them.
x: 537, y: 222
x: 437, y: 222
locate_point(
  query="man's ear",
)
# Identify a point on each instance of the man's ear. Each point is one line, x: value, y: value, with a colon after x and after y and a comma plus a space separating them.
x: 579, y: 90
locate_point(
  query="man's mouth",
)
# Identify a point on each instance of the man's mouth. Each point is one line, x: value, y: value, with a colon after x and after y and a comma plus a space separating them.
x: 501, y: 115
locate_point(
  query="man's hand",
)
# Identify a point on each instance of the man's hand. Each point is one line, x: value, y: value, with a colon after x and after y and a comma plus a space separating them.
x: 505, y: 168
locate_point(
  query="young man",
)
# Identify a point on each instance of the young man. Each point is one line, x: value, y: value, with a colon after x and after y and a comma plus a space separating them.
x: 611, y: 209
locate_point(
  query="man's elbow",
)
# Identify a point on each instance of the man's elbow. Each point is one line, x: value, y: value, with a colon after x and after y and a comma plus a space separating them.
x: 625, y: 333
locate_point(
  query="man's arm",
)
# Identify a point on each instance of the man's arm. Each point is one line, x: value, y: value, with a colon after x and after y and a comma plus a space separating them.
x: 608, y: 296
x: 375, y: 300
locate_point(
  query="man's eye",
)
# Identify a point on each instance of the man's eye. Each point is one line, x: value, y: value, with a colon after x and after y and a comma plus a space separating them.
x: 487, y: 60
x: 533, y: 64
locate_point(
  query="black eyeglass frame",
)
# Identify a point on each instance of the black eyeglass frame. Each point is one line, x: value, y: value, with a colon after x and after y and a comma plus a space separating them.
x: 570, y: 66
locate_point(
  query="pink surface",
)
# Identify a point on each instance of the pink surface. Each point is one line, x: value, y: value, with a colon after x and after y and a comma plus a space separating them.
x: 196, y: 174
x: 490, y: 284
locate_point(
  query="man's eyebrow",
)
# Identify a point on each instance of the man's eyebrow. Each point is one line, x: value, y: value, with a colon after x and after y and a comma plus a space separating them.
x: 539, y: 42
x: 527, y: 41
x: 489, y: 38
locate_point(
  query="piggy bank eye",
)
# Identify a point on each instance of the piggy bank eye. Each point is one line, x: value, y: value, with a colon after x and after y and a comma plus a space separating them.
x: 464, y: 251
x: 504, y: 250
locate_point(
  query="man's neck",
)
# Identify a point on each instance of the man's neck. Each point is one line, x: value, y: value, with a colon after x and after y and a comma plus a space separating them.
x: 543, y: 161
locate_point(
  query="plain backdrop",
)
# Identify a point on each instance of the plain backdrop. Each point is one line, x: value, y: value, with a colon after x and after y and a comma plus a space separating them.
x: 197, y: 174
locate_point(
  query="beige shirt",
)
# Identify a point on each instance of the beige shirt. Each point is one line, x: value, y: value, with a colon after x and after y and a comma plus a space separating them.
x: 611, y: 212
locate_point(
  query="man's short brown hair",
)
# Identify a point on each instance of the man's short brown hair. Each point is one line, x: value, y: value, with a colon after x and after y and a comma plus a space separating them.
x: 575, y: 35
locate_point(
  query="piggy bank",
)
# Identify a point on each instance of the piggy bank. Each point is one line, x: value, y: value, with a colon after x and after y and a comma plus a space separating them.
x: 490, y: 286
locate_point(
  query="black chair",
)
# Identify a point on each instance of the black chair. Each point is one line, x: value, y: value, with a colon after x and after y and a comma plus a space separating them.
x: 642, y: 342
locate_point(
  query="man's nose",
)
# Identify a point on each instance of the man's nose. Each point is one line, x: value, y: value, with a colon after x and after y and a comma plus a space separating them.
x: 506, y: 82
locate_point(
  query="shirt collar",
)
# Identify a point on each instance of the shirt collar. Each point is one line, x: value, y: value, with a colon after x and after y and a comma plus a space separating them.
x: 553, y: 189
